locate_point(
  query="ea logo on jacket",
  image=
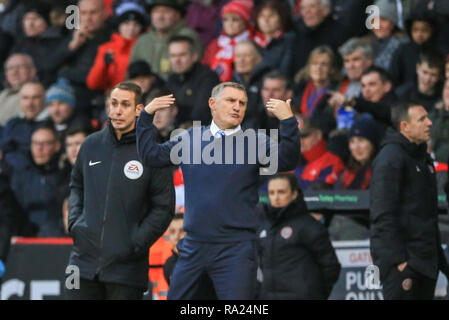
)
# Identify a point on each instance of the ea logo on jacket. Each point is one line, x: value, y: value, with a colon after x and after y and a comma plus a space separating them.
x: 133, y: 169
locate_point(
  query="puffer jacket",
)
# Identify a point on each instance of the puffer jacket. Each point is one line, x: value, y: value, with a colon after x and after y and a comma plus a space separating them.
x: 117, y: 209
x: 296, y: 256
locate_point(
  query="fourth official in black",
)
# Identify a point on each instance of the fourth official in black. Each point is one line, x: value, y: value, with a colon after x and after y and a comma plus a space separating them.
x: 405, y: 238
x: 118, y: 207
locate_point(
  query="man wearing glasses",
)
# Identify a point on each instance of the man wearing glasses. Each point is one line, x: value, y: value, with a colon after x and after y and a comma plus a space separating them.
x: 36, y: 186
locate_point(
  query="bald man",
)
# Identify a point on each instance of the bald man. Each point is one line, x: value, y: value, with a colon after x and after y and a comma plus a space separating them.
x: 19, y: 68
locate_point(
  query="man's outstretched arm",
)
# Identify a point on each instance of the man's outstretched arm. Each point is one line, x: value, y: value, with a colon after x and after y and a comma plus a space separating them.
x: 149, y: 150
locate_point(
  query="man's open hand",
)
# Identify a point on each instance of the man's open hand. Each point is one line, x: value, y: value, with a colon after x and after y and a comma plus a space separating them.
x: 160, y: 103
x: 79, y: 37
x: 281, y: 109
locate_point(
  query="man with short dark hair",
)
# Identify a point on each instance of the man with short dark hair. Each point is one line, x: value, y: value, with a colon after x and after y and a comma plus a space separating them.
x: 428, y: 86
x: 117, y: 207
x: 377, y: 96
x: 73, y: 140
x: 191, y: 82
x: 405, y: 239
x: 220, y: 195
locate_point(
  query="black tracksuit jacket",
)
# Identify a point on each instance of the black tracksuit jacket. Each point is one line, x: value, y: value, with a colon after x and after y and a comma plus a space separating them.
x: 296, y: 256
x: 404, y: 204
x: 114, y: 219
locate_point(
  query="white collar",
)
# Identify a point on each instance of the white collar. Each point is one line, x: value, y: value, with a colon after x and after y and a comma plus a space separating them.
x: 214, y: 129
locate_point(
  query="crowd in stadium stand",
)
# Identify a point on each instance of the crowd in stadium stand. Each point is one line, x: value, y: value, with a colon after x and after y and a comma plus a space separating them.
x: 341, y: 70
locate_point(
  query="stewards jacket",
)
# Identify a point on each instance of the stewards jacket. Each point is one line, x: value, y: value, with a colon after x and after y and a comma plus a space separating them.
x: 296, y: 256
x: 404, y: 209
x: 117, y: 209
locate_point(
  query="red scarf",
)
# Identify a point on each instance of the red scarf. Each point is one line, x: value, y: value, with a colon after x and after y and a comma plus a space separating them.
x: 223, y: 59
x: 315, y: 152
x: 348, y: 178
x: 308, y: 103
x: 262, y: 42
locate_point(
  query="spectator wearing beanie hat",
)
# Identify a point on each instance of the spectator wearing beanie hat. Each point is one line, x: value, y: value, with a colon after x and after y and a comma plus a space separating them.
x: 60, y: 100
x: 364, y: 139
x: 113, y: 57
x: 386, y: 39
x: 39, y: 39
x: 219, y: 54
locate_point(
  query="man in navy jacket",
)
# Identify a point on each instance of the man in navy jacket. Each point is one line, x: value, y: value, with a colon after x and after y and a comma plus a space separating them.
x: 220, y: 199
x: 117, y: 207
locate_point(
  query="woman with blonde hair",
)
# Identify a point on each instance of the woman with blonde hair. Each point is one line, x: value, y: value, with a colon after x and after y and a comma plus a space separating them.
x: 315, y: 80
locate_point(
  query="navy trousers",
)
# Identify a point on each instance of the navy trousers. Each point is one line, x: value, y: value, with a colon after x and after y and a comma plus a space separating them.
x: 226, y: 271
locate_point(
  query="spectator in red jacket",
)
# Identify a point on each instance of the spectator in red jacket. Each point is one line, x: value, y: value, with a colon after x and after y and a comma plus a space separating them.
x: 317, y: 164
x: 219, y: 54
x: 112, y: 57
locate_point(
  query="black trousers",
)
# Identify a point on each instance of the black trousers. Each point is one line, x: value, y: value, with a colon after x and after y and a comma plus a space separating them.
x: 96, y: 290
x: 408, y: 285
x: 226, y: 270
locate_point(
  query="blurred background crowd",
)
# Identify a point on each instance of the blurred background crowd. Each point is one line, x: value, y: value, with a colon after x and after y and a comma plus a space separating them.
x: 342, y: 66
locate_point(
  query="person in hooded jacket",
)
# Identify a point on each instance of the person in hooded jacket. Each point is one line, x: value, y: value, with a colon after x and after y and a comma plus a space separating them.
x: 386, y: 38
x: 405, y: 237
x: 421, y: 27
x: 296, y: 256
